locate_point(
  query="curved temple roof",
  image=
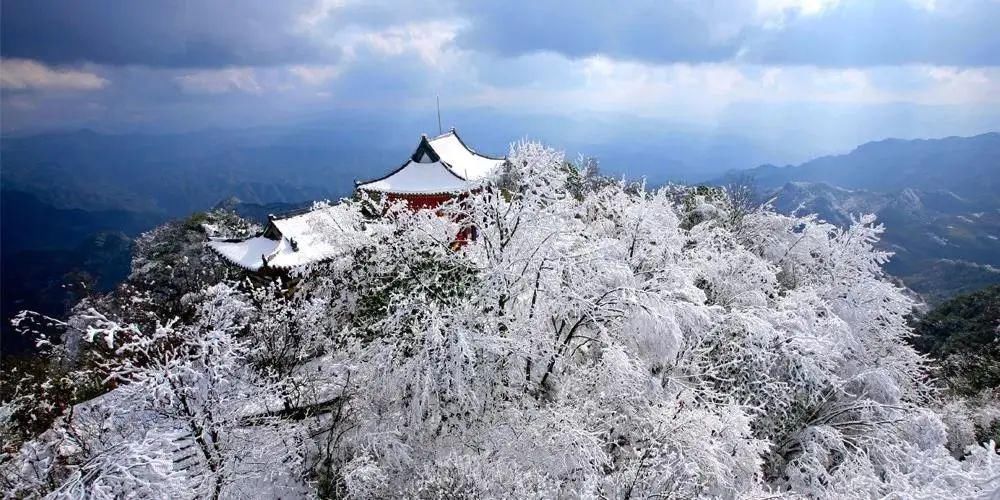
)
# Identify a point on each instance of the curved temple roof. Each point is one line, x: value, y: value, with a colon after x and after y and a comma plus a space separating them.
x: 419, y: 178
x: 301, y: 239
x: 443, y: 164
x: 464, y: 161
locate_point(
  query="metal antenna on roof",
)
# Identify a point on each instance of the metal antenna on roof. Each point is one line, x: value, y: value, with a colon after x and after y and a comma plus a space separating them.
x: 440, y: 131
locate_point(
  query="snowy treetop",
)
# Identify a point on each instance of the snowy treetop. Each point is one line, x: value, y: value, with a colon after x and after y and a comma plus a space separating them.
x: 595, y: 340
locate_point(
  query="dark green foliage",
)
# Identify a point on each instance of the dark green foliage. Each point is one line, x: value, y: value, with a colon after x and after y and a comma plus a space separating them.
x: 727, y: 205
x: 964, y: 335
x: 989, y: 433
x: 172, y: 260
x: 383, y: 275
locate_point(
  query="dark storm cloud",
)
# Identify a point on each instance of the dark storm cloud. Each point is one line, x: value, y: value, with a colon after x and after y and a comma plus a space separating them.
x: 215, y: 33
x: 660, y: 31
x: 168, y: 33
x: 165, y: 65
x: 850, y: 33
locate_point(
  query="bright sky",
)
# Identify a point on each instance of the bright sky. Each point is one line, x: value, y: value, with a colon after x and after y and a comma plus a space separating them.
x: 743, y: 64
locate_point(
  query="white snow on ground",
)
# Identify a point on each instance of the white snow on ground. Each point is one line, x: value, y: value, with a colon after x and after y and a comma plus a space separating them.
x: 420, y: 178
x: 463, y: 162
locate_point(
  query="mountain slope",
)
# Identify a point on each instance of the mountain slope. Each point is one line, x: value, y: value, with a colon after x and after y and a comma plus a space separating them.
x: 968, y: 167
x: 939, y: 200
x: 963, y: 334
x: 179, y: 174
x: 942, y: 245
x: 29, y: 223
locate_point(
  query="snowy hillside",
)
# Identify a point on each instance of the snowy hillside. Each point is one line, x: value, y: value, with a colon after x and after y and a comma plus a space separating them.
x: 937, y: 197
x: 595, y: 340
x: 942, y: 244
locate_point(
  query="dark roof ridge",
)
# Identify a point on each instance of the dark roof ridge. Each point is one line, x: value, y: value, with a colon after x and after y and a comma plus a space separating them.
x: 424, y: 145
x: 291, y: 213
x: 451, y: 170
x: 454, y: 132
x: 425, y: 148
x: 358, y: 184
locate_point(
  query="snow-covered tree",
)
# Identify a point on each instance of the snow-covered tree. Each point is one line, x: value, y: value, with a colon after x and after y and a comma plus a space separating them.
x: 595, y: 339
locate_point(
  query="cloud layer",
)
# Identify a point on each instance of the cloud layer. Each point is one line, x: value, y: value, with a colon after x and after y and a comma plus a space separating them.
x: 170, y: 33
x: 20, y: 74
x: 175, y: 64
x: 216, y: 33
x: 811, y: 32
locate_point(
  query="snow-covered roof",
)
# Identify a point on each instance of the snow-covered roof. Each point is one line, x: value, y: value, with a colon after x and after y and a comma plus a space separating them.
x: 301, y: 239
x: 419, y: 178
x: 248, y: 254
x: 464, y: 161
x: 443, y: 164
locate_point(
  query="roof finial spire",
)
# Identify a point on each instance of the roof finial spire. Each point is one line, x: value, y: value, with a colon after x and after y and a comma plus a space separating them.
x: 439, y: 113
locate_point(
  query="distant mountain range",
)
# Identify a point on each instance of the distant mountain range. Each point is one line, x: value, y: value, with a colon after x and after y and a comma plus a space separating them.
x: 965, y: 166
x: 73, y: 201
x: 178, y: 174
x: 51, y: 257
x: 939, y: 200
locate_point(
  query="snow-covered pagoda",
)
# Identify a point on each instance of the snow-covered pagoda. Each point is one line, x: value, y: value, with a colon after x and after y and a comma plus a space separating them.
x: 440, y: 169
